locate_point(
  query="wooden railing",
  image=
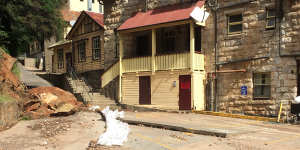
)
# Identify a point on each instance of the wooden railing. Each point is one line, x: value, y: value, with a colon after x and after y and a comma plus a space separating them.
x: 172, y: 61
x: 111, y: 74
x: 199, y: 62
x: 163, y: 62
x: 137, y: 64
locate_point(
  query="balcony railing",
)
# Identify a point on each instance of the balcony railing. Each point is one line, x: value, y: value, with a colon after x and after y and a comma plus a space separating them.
x: 199, y: 62
x: 111, y: 74
x: 163, y: 62
x: 137, y: 64
x: 173, y: 61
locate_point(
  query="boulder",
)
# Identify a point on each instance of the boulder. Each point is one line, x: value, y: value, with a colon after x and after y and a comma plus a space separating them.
x: 51, y: 101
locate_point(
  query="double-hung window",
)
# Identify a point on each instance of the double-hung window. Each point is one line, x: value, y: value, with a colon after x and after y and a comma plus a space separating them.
x: 96, y: 48
x: 235, y: 24
x: 81, y: 51
x: 262, y: 85
x: 271, y: 19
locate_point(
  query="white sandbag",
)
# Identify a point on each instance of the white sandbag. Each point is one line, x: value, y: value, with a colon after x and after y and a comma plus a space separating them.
x: 116, y: 131
x: 297, y: 100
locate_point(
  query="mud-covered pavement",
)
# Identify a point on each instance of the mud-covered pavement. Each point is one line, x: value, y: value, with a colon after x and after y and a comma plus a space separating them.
x: 80, y: 132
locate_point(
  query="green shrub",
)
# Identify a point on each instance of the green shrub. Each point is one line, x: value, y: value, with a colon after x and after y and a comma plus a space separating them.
x: 4, y: 98
x: 16, y: 70
x: 25, y: 118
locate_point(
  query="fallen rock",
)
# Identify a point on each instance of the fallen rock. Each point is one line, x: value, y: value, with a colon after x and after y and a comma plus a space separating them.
x: 50, y: 128
x: 51, y: 101
x: 94, y: 146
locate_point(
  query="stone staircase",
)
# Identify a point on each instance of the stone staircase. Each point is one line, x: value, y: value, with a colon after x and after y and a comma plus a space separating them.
x: 83, y: 92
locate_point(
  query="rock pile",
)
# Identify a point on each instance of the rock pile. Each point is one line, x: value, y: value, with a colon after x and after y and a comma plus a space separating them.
x: 94, y: 146
x: 51, y: 101
x: 50, y: 128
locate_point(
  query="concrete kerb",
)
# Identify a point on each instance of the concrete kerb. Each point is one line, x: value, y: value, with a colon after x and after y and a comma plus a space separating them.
x: 168, y: 127
x: 175, y: 128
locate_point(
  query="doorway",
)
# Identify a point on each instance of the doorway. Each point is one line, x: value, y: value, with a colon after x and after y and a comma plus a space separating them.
x: 145, y: 90
x: 69, y: 61
x: 185, y: 92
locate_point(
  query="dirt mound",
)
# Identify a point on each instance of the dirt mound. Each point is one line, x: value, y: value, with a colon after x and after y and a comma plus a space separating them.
x: 52, y: 101
x: 6, y: 64
x: 9, y: 83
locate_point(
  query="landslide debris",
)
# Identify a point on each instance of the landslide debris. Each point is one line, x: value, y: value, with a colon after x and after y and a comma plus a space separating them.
x: 38, y: 102
x: 51, y: 101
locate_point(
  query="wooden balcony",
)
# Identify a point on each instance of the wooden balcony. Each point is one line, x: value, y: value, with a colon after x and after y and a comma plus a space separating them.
x: 137, y: 64
x: 177, y: 61
x: 199, y: 62
x: 172, y: 61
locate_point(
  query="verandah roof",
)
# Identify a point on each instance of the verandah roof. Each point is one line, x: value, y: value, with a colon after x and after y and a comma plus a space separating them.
x: 161, y: 15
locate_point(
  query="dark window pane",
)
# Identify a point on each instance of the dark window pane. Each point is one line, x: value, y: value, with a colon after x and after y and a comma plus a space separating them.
x: 235, y: 18
x: 262, y: 85
x: 271, y: 13
x: 235, y: 28
x: 271, y: 22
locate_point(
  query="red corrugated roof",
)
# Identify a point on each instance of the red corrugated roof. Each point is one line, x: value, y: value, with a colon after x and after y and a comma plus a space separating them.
x: 69, y: 15
x: 161, y: 15
x: 97, y: 17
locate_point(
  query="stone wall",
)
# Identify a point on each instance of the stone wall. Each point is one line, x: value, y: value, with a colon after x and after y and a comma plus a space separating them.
x: 9, y: 114
x: 256, y: 50
x: 93, y: 79
x: 48, y: 54
x: 290, y: 28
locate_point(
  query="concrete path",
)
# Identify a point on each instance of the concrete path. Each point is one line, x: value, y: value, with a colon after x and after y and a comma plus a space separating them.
x: 265, y: 133
x: 30, y: 79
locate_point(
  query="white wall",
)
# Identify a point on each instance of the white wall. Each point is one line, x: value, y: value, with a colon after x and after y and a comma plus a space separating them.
x: 78, y: 5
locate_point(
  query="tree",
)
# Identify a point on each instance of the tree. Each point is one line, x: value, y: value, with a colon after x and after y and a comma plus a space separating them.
x: 24, y: 21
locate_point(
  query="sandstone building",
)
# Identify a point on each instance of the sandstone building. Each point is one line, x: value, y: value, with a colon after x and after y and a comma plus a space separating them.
x: 249, y: 48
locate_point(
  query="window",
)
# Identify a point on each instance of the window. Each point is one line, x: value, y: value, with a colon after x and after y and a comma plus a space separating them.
x: 88, y: 26
x: 262, y: 85
x: 60, y: 58
x: 235, y: 24
x: 271, y: 19
x: 81, y: 51
x: 101, y: 8
x: 169, y: 41
x: 96, y: 48
x: 197, y: 39
x: 89, y: 5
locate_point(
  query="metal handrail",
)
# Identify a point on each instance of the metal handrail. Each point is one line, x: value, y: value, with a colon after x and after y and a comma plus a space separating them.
x: 74, y: 75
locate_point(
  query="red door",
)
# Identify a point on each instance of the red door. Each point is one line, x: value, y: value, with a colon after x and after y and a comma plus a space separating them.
x: 145, y: 90
x: 185, y: 92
